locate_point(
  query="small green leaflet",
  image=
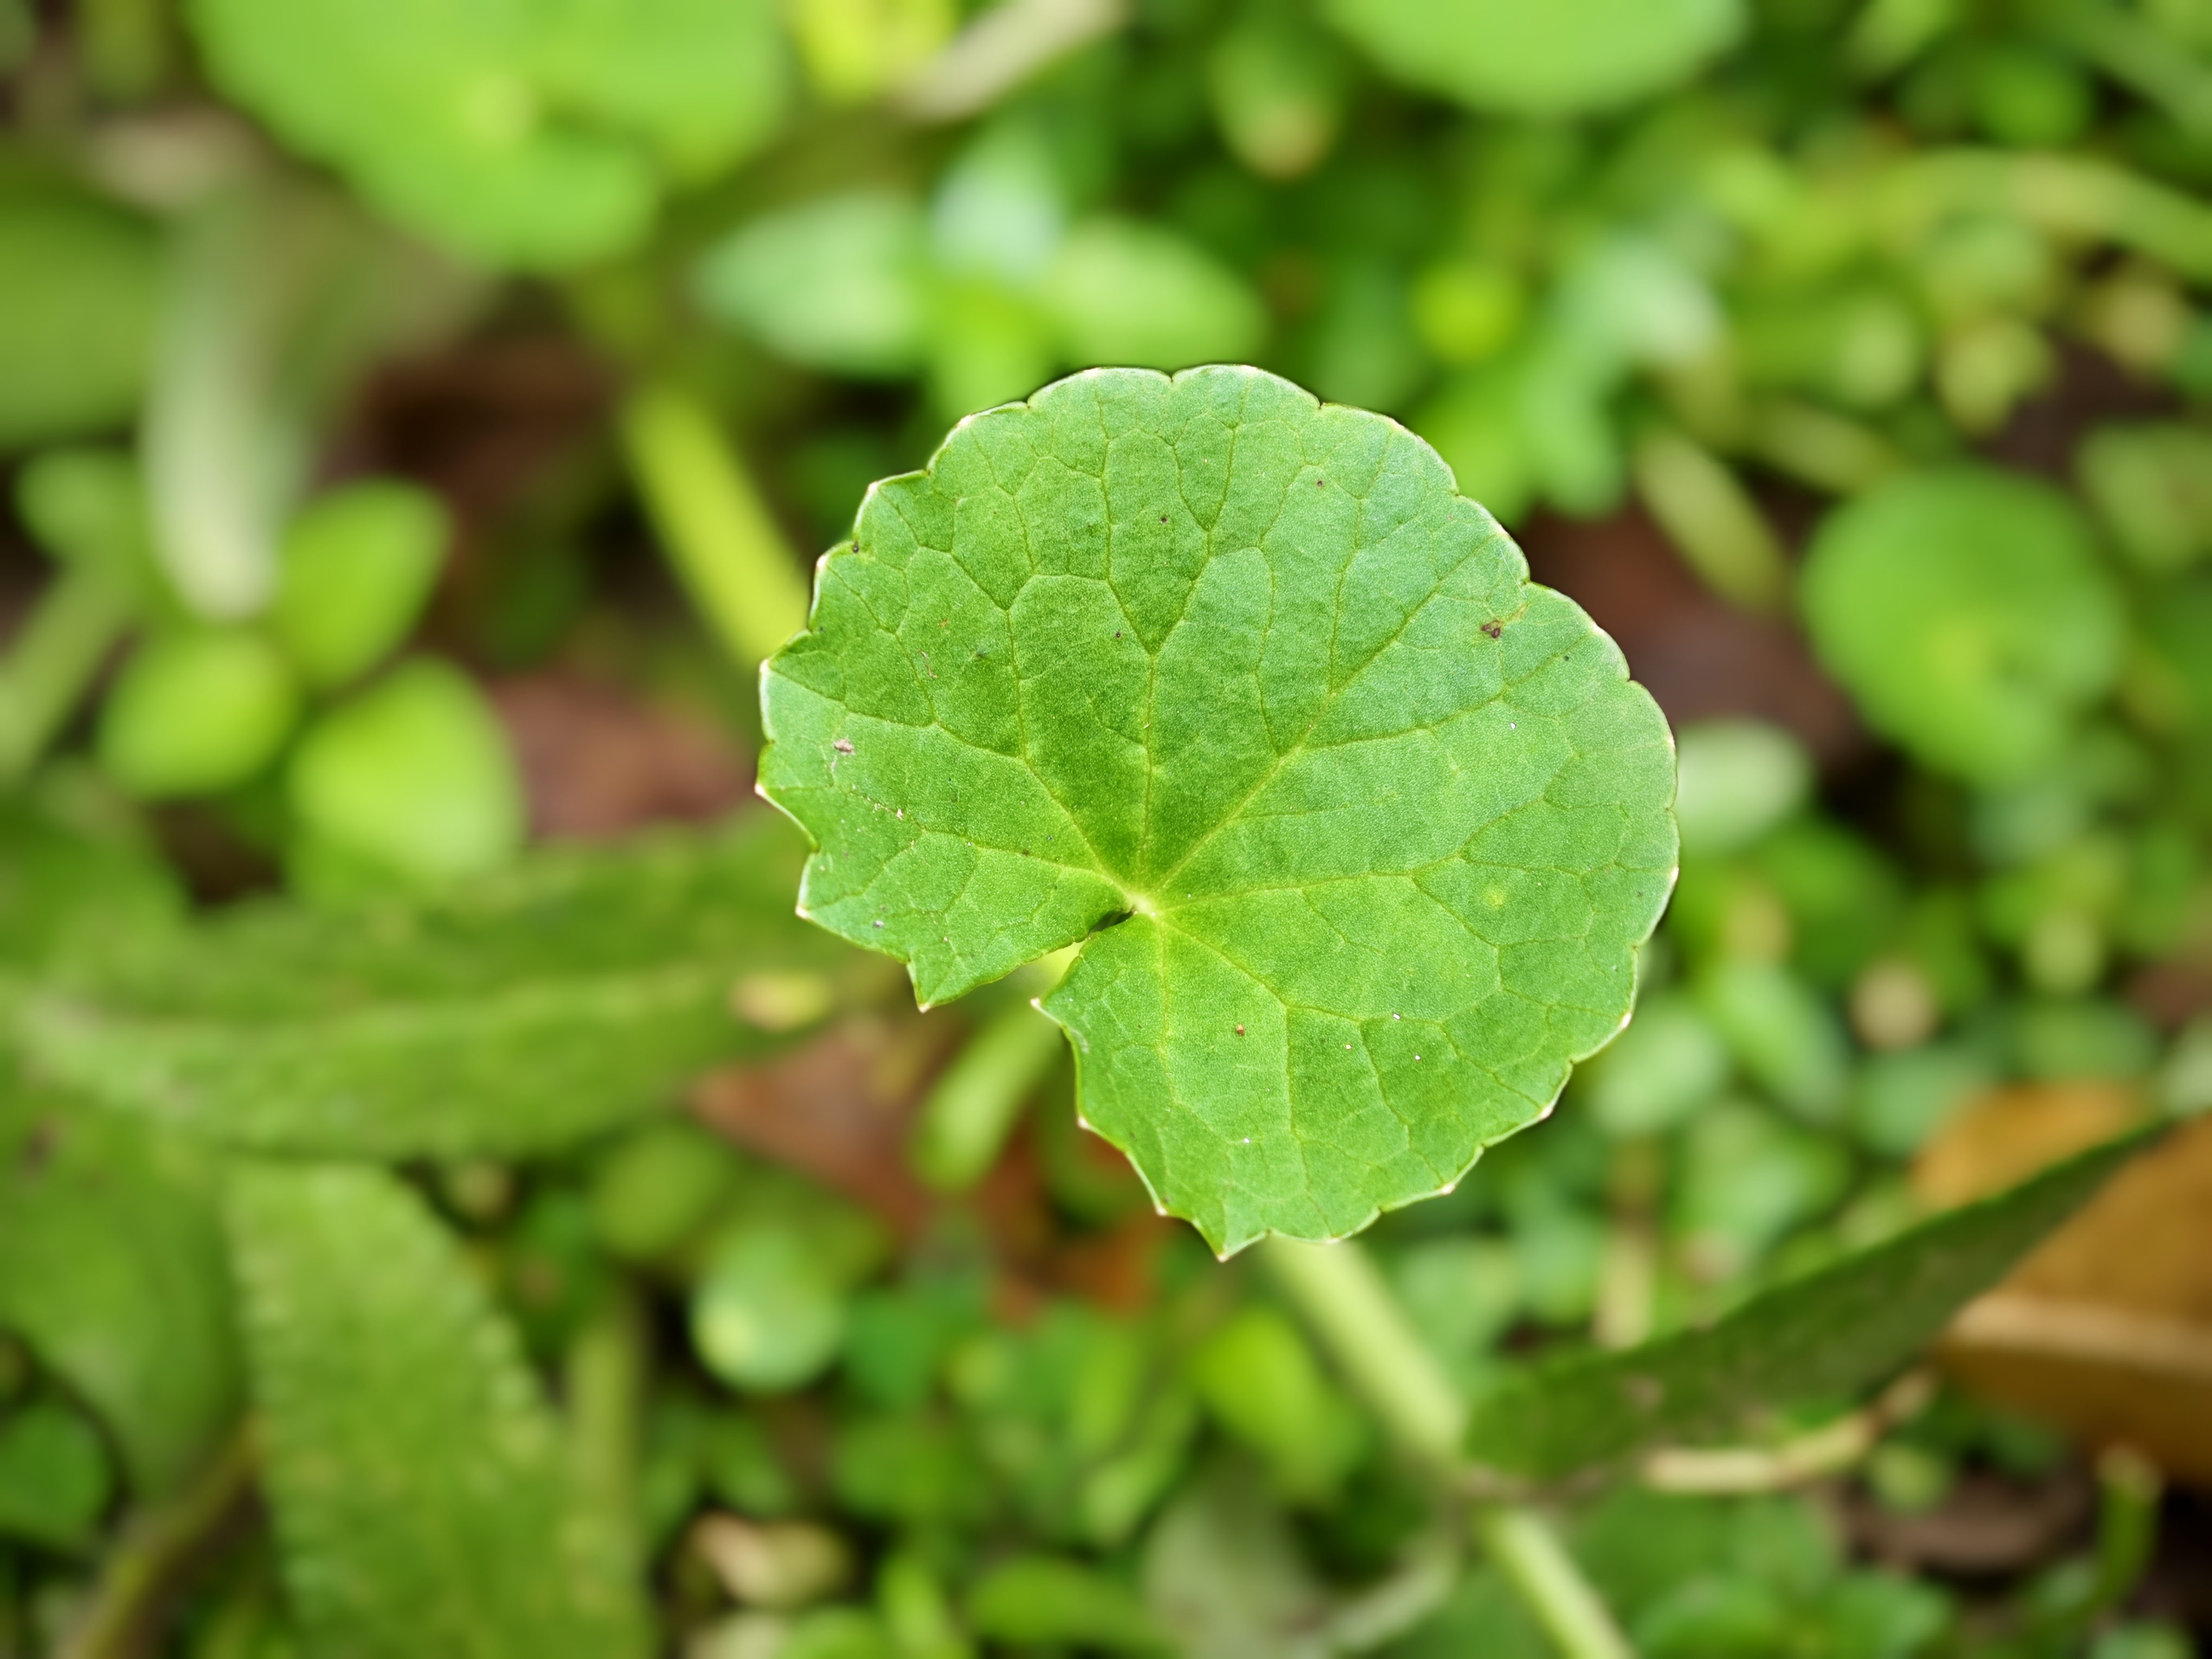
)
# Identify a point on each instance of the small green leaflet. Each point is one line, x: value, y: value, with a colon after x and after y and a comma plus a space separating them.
x: 1559, y: 59
x: 848, y: 282
x: 1966, y: 611
x: 536, y: 133
x: 111, y: 1268
x: 1824, y: 1336
x: 1358, y: 828
x: 425, y: 1497
x: 513, y: 1015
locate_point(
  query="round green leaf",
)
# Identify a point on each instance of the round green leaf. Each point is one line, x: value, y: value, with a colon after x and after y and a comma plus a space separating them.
x: 358, y: 566
x: 1359, y: 828
x: 1127, y: 292
x: 192, y: 714
x: 412, y: 777
x: 1966, y: 612
x: 1551, y: 59
x: 1666, y: 1065
x: 537, y: 134
x: 54, y: 1476
x: 840, y: 283
x: 1739, y: 778
x: 768, y: 1315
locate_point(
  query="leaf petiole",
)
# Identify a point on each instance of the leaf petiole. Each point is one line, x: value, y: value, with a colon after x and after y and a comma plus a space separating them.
x: 719, y: 533
x: 1350, y: 1306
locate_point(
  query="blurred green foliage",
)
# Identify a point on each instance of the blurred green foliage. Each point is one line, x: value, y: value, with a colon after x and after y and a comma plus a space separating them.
x: 351, y: 354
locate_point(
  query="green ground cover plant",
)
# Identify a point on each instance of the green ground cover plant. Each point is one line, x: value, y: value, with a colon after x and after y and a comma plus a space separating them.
x: 1502, y: 703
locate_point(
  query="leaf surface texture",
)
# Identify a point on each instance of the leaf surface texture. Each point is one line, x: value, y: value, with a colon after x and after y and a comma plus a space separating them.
x: 1378, y: 823
x: 511, y: 1015
x: 425, y: 1497
x: 1824, y: 1336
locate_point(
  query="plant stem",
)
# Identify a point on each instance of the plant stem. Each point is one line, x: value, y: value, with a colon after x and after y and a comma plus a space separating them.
x: 718, y: 531
x: 1350, y: 1306
x: 603, y: 1378
x: 1523, y: 1545
x: 2127, y: 1525
x: 967, y: 1114
x: 54, y: 656
x: 144, y: 1569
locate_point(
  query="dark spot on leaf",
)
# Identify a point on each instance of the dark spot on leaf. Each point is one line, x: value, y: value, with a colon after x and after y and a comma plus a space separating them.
x: 1026, y: 852
x: 1240, y: 1031
x: 1163, y: 518
x: 1493, y: 628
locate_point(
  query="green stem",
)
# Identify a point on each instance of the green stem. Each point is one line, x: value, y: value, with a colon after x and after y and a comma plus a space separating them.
x: 603, y: 1377
x: 1713, y: 520
x: 1536, y: 1564
x: 1340, y: 1294
x: 717, y: 529
x: 2127, y: 1524
x: 968, y: 1114
x: 53, y: 658
x: 1350, y: 1306
x: 142, y: 1570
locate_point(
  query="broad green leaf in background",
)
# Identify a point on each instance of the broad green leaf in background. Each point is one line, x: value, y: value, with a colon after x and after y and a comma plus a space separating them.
x: 425, y: 1496
x: 839, y: 282
x: 78, y: 279
x: 1127, y: 292
x: 1048, y: 1601
x: 1474, y: 420
x: 1277, y: 94
x: 412, y: 777
x: 54, y: 1476
x: 358, y: 567
x: 196, y: 712
x: 513, y: 1014
x: 1555, y: 59
x: 1966, y: 612
x: 1359, y: 828
x: 1261, y: 1382
x: 112, y: 1269
x: 1825, y: 1335
x: 856, y: 49
x: 56, y: 884
x: 2152, y: 485
x: 1736, y: 780
x: 1667, y: 1065
x: 536, y: 135
x: 850, y: 283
